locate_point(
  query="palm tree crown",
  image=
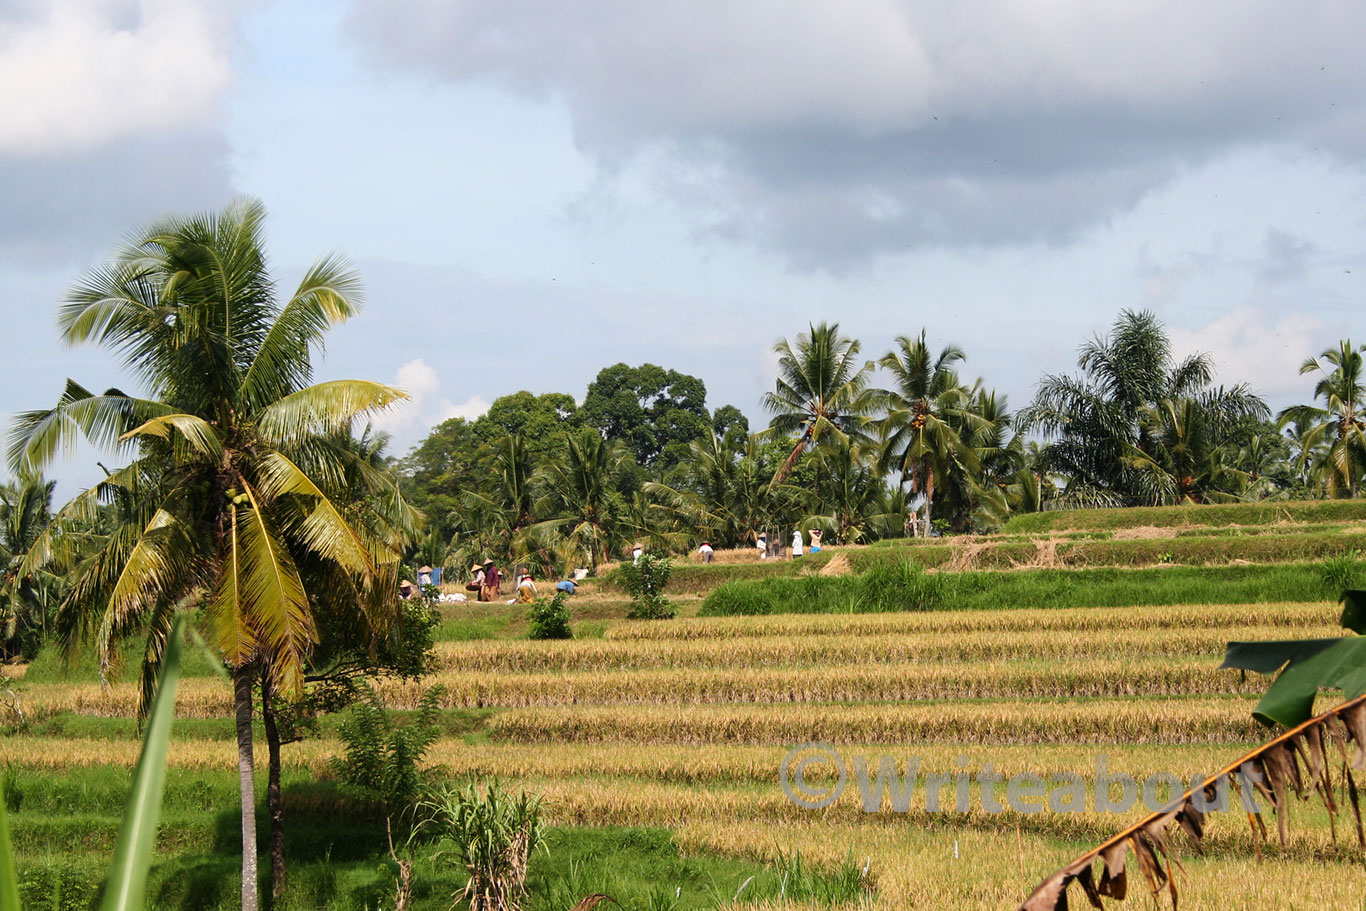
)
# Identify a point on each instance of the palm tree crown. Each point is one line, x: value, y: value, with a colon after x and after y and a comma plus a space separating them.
x: 821, y: 391
x: 1338, y: 429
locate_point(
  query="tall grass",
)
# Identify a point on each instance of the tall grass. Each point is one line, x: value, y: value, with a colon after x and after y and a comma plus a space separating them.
x: 1102, y: 587
x: 1266, y: 513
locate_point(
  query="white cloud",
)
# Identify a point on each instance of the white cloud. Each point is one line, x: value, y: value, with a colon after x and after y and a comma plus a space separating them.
x: 77, y: 73
x: 409, y: 421
x: 1256, y: 346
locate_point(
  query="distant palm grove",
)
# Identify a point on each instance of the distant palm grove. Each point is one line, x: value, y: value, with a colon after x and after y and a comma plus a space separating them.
x: 867, y: 448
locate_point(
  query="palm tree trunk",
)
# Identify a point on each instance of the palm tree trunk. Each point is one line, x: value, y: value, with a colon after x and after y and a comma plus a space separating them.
x: 242, y: 680
x: 929, y: 498
x: 279, y: 876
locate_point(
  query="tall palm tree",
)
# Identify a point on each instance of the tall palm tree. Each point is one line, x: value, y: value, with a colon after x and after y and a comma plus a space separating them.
x: 821, y: 392
x: 1339, y: 427
x: 928, y: 410
x: 581, y: 492
x: 1093, y: 420
x: 25, y: 590
x: 226, y: 498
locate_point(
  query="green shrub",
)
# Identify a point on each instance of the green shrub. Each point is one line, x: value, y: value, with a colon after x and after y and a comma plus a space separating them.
x: 1340, y: 573
x: 550, y: 619
x: 492, y: 835
x: 645, y: 580
x: 380, y: 755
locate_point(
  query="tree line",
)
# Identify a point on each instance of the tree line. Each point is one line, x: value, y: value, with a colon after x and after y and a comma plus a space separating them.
x: 863, y: 449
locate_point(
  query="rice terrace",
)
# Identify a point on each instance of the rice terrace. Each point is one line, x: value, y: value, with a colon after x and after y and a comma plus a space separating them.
x: 899, y: 645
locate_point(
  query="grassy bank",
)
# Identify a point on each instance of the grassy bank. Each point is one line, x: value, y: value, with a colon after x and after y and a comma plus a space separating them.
x: 1221, y: 514
x: 902, y: 587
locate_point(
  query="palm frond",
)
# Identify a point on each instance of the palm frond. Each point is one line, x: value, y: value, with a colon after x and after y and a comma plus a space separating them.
x: 323, y: 408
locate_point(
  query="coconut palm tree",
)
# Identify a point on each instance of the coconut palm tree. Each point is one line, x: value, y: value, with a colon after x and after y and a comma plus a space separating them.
x: 820, y: 394
x: 852, y: 499
x: 581, y: 492
x: 1339, y: 427
x: 928, y: 411
x: 1191, y: 452
x: 226, y: 497
x: 25, y: 591
x: 1093, y: 420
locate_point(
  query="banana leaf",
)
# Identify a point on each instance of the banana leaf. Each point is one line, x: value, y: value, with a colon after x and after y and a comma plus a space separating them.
x: 126, y: 885
x: 1309, y: 665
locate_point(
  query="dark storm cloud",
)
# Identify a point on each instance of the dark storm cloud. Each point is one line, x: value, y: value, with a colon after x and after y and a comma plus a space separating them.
x: 832, y: 132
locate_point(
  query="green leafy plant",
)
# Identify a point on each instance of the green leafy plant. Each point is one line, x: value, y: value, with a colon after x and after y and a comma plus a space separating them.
x: 492, y: 834
x: 1341, y: 573
x: 126, y: 883
x: 645, y: 580
x: 380, y: 763
x: 381, y: 755
x: 550, y: 619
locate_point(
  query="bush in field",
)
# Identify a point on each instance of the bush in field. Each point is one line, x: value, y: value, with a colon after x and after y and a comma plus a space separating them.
x: 645, y: 581
x: 381, y: 755
x: 380, y: 763
x: 899, y: 586
x: 492, y: 834
x: 1340, y: 573
x: 550, y: 619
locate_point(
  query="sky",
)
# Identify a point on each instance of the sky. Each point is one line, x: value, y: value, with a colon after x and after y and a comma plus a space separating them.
x: 534, y: 191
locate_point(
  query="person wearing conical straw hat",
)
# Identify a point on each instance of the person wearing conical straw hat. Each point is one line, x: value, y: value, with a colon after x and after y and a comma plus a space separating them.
x: 492, y: 579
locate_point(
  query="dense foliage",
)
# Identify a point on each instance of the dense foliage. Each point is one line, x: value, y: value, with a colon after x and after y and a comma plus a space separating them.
x: 896, y: 446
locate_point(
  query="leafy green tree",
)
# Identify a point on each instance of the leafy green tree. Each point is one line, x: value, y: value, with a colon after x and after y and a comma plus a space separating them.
x: 232, y: 492
x: 540, y: 420
x: 730, y: 425
x: 450, y: 460
x: 821, y: 393
x: 1338, y: 428
x: 655, y: 412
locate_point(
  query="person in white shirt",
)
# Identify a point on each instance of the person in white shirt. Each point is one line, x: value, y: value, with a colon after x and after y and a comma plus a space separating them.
x: 636, y: 552
x: 706, y: 552
x: 796, y: 544
x: 762, y: 545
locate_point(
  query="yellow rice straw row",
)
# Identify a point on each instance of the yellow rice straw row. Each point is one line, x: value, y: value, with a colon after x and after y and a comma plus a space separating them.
x: 1194, y: 719
x: 1182, y: 616
x: 835, y: 683
x: 981, y: 645
x: 712, y: 763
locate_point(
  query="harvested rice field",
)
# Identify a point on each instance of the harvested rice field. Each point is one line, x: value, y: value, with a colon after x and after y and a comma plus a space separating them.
x: 682, y: 728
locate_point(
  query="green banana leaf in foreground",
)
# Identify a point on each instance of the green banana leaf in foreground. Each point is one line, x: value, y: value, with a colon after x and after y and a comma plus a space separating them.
x: 1309, y: 664
x: 126, y: 885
